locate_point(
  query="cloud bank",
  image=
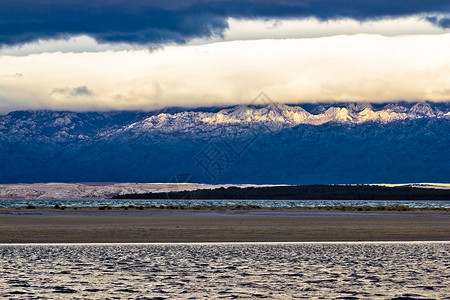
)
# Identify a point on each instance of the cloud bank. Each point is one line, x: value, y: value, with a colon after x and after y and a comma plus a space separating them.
x: 340, y: 68
x: 158, y: 22
x: 93, y: 55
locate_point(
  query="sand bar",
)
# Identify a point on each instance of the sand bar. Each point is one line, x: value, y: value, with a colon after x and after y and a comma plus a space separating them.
x: 91, y: 225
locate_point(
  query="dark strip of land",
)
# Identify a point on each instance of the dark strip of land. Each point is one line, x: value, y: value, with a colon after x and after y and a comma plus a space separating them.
x: 120, y: 225
x: 303, y: 192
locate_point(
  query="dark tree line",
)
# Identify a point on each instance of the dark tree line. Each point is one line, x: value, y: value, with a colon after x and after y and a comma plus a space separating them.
x: 305, y: 192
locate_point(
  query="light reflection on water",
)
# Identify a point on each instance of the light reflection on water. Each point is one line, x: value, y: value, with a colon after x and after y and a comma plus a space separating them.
x: 93, y: 202
x: 221, y: 270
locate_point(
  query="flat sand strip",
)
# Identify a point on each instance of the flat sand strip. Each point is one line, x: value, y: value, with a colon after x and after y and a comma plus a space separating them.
x: 128, y: 227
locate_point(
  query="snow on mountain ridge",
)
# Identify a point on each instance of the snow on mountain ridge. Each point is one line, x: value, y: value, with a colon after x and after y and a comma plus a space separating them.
x: 72, y: 126
x: 424, y: 110
x: 280, y: 116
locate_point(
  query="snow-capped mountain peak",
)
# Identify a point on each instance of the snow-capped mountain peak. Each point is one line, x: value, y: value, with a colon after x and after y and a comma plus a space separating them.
x: 277, y: 116
x: 422, y: 110
x: 67, y: 126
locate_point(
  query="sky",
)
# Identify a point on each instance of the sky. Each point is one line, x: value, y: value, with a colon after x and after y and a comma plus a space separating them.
x: 110, y: 54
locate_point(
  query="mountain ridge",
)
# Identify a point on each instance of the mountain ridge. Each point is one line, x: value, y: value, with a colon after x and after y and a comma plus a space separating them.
x: 66, y: 125
x: 268, y: 144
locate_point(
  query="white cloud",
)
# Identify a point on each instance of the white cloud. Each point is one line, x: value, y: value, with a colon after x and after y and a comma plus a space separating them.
x: 309, y: 28
x: 312, y: 28
x: 340, y: 68
x: 76, y: 44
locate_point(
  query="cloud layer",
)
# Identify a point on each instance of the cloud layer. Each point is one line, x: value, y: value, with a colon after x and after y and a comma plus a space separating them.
x: 83, y: 54
x: 340, y: 68
x: 157, y: 21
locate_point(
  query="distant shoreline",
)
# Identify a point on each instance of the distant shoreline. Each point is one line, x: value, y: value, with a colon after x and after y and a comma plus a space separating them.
x: 106, y: 190
x: 30, y: 208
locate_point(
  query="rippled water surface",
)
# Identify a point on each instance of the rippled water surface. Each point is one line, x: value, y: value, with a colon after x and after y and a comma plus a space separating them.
x: 191, y: 202
x: 229, y: 271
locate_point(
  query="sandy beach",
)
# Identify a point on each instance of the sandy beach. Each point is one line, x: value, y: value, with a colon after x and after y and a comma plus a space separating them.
x: 91, y: 225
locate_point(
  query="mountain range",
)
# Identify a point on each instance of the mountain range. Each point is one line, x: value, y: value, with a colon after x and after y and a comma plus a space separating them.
x: 315, y: 143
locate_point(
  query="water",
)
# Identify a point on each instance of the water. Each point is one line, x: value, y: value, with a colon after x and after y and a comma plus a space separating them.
x: 93, y: 202
x: 415, y: 270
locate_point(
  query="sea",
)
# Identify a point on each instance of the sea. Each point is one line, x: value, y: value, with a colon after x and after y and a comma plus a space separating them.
x: 96, y: 202
x: 322, y: 270
x: 327, y: 270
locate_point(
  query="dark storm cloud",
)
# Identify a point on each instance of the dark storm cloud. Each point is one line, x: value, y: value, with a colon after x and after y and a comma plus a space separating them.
x: 73, y: 92
x: 154, y: 22
x: 440, y: 21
